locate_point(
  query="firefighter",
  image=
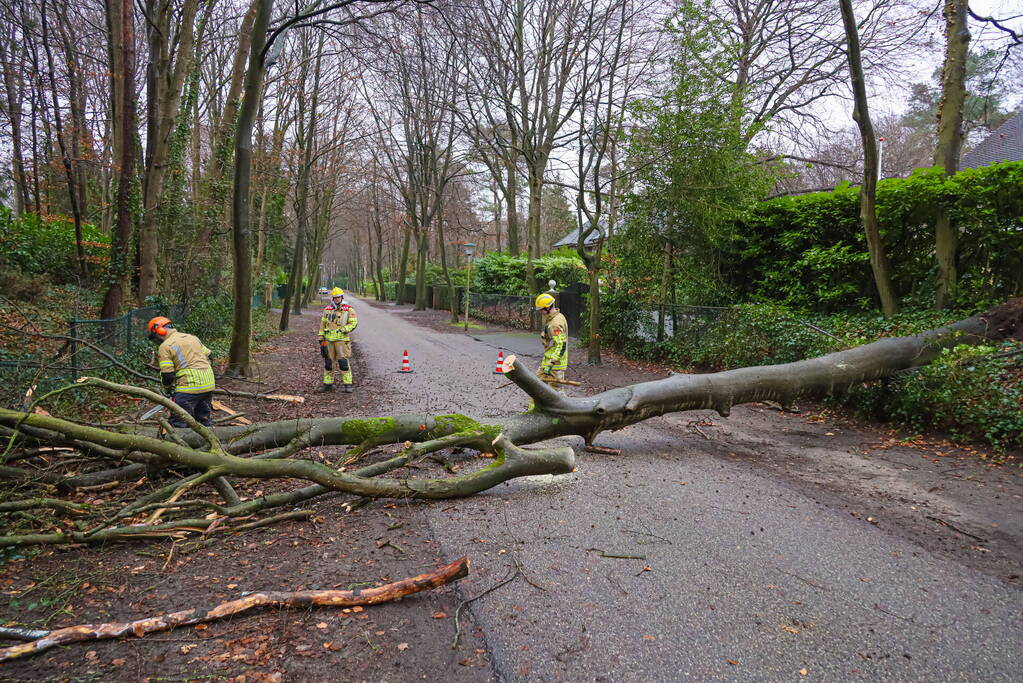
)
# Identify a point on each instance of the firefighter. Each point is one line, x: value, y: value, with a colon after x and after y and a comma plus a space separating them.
x: 555, y: 342
x: 337, y: 323
x: 186, y: 369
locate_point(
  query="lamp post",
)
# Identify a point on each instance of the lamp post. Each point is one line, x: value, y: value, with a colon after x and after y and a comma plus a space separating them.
x: 468, y: 279
x: 880, y: 157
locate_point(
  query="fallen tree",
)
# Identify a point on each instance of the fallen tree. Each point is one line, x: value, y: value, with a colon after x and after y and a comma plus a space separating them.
x: 275, y: 450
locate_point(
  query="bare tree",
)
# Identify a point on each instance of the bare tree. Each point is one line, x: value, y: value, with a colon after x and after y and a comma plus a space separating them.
x: 120, y: 24
x: 868, y: 191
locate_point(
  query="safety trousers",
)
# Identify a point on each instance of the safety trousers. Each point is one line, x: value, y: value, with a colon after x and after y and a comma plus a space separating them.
x: 337, y: 352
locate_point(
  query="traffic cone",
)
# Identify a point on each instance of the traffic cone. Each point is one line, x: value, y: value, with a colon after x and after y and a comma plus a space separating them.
x: 405, y: 367
x: 499, y: 370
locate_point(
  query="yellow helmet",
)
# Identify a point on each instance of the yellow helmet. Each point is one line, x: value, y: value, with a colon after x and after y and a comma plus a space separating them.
x: 337, y: 291
x: 545, y: 300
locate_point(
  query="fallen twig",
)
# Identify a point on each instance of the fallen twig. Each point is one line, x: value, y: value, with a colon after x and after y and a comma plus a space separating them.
x: 458, y: 631
x: 956, y: 529
x: 337, y: 598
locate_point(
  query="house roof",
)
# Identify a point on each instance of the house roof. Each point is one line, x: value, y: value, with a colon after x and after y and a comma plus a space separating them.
x: 1005, y: 144
x: 572, y: 238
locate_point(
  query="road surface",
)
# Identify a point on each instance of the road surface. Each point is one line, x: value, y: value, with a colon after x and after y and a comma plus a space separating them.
x: 695, y: 554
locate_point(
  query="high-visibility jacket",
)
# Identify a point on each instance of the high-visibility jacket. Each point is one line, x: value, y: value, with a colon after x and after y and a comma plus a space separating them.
x: 555, y: 341
x: 337, y: 322
x: 185, y: 356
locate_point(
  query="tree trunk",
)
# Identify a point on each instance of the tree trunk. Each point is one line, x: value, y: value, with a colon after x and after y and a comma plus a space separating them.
x: 380, y: 247
x: 403, y: 263
x: 593, y: 314
x: 868, y: 192
x: 533, y: 227
x: 120, y: 24
x: 950, y: 137
x: 422, y: 238
x: 65, y: 155
x: 164, y: 84
x: 13, y: 92
x: 220, y: 155
x: 513, y: 208
x: 240, y: 357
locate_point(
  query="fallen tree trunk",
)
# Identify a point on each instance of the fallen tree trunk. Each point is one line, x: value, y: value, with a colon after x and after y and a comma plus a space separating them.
x: 267, y: 451
x: 335, y: 598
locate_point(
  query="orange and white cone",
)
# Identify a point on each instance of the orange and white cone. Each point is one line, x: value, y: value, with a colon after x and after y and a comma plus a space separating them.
x: 499, y: 370
x: 405, y: 367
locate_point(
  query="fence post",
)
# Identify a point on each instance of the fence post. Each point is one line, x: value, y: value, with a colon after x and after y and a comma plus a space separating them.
x: 73, y: 333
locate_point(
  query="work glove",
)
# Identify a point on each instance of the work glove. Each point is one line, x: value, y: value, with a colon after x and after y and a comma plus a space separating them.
x: 323, y: 348
x: 168, y: 391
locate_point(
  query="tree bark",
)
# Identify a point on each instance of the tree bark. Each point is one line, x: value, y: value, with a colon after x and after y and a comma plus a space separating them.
x: 240, y: 357
x: 12, y: 86
x: 950, y: 137
x: 65, y: 154
x: 120, y: 24
x: 307, y: 141
x: 164, y: 84
x: 868, y: 191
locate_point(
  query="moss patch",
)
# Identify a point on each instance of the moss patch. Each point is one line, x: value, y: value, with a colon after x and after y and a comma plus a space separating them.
x: 452, y: 424
x: 358, y: 430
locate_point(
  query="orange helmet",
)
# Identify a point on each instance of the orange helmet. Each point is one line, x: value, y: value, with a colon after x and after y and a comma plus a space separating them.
x: 158, y: 326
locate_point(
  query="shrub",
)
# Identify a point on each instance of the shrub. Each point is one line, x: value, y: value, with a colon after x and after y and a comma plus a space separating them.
x: 18, y: 286
x: 501, y: 273
x: 45, y: 245
x: 972, y: 392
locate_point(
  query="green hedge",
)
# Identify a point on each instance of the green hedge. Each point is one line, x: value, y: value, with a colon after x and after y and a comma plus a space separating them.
x: 809, y: 252
x: 45, y: 245
x: 501, y: 273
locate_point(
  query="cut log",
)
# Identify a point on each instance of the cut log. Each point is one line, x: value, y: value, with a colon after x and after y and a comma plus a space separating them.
x: 335, y: 598
x: 223, y: 407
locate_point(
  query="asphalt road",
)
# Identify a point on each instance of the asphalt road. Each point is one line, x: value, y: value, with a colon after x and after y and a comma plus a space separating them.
x: 683, y: 559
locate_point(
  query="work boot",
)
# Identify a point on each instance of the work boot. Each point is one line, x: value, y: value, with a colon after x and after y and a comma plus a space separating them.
x: 326, y: 387
x: 348, y: 389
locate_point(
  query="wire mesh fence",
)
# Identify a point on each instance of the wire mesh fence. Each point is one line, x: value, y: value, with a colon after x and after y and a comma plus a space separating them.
x: 119, y: 337
x: 87, y: 346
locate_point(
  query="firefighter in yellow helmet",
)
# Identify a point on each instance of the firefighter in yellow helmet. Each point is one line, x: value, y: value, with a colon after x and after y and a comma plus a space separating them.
x: 554, y: 336
x: 186, y: 368
x: 338, y: 321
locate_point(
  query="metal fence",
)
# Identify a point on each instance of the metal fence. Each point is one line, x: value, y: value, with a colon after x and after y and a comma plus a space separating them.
x: 658, y: 324
x: 79, y: 354
x: 503, y: 309
x: 116, y: 336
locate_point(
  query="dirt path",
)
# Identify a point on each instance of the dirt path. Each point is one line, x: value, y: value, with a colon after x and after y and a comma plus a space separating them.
x: 407, y: 640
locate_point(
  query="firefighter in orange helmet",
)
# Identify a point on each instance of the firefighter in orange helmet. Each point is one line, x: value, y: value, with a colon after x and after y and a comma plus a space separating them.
x: 186, y: 369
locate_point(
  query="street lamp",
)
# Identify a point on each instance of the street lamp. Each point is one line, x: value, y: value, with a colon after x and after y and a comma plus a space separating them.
x: 468, y: 279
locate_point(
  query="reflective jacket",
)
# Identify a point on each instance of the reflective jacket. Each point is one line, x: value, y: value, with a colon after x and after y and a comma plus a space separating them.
x: 337, y: 322
x: 555, y: 341
x: 185, y: 356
